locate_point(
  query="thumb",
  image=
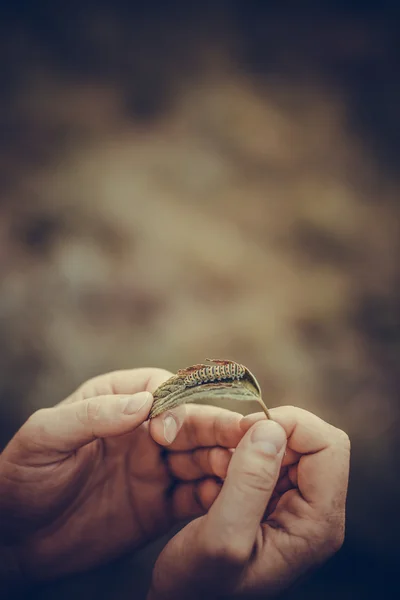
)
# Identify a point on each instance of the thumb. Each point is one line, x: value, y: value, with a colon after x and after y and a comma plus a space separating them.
x: 206, y: 558
x: 66, y: 427
x: 234, y: 518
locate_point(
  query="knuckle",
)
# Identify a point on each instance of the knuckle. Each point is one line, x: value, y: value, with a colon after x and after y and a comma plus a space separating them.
x: 35, y: 431
x: 293, y: 410
x: 89, y: 411
x: 257, y: 480
x: 294, y: 414
x: 217, y: 458
x: 205, y: 460
x: 87, y: 387
x: 36, y: 422
x: 344, y: 438
x: 341, y: 438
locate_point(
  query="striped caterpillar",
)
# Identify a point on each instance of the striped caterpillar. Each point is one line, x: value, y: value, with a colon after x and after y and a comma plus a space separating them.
x: 221, y: 379
x: 220, y: 370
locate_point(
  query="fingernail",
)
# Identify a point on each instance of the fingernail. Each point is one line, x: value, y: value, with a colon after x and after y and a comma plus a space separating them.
x: 170, y: 428
x: 136, y: 402
x: 269, y: 436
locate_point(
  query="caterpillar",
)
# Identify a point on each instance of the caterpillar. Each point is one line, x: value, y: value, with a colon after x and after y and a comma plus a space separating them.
x: 222, y: 379
x: 221, y: 370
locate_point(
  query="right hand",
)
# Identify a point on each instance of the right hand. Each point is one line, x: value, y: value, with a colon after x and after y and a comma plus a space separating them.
x: 280, y: 512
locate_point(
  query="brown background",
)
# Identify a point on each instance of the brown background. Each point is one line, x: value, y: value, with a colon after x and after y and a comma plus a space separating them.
x: 183, y: 180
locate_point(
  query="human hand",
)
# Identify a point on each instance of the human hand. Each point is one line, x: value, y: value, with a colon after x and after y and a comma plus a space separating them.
x: 280, y: 513
x: 86, y: 480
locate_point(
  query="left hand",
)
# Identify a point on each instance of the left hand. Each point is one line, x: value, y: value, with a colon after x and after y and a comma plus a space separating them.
x: 87, y: 480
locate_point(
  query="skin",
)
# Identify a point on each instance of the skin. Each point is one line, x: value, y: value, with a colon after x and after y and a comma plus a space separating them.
x: 278, y: 516
x: 88, y: 480
x: 84, y: 482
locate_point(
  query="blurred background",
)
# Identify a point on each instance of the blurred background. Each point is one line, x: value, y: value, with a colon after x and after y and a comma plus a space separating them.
x: 181, y: 180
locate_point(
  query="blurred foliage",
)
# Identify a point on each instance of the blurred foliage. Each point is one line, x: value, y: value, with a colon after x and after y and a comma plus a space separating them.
x: 179, y: 180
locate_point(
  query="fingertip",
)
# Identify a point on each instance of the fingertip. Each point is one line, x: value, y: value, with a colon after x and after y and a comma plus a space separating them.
x: 132, y: 405
x: 249, y: 420
x: 269, y: 435
x: 220, y: 457
x: 165, y: 428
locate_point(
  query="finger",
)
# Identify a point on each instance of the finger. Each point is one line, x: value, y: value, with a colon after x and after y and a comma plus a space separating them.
x: 292, y: 476
x: 284, y: 483
x: 291, y: 456
x: 323, y: 469
x: 67, y: 427
x: 128, y: 381
x: 165, y: 428
x: 204, y: 426
x: 235, y: 516
x: 193, y: 499
x: 199, y: 463
x: 321, y: 475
